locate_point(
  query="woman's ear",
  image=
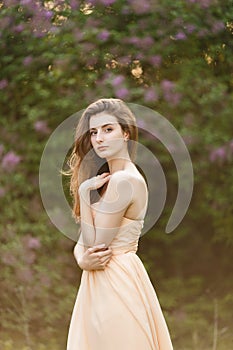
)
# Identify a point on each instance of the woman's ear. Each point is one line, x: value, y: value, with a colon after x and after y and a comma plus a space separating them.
x: 126, y: 136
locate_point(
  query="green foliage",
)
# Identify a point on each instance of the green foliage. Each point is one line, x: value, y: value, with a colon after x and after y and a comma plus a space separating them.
x: 175, y: 57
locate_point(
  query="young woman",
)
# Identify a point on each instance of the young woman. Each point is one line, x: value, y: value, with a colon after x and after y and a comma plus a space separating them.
x: 116, y: 306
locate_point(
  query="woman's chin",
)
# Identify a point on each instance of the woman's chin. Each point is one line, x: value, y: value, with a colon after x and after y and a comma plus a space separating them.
x: 104, y: 154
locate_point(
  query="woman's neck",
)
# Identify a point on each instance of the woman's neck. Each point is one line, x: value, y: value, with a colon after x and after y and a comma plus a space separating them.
x: 119, y: 164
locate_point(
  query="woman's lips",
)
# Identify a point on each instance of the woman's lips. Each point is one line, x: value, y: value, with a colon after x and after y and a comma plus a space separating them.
x: 101, y: 148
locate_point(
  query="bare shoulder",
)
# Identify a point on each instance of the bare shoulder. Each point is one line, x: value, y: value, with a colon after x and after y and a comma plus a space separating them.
x: 123, y: 177
x: 132, y: 186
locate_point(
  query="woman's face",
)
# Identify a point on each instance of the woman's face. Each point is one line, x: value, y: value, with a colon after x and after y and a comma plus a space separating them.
x: 106, y: 135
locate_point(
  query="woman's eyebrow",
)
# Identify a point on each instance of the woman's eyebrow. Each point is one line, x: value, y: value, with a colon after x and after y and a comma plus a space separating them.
x: 103, y: 126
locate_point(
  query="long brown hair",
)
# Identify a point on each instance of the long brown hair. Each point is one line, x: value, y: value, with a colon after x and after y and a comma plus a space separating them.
x: 83, y: 161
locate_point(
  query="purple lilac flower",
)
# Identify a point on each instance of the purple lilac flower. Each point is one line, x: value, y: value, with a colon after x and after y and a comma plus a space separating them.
x: 73, y: 4
x: 168, y: 92
x: 180, y: 36
x: 10, y: 161
x: 104, y: 35
x: 218, y: 154
x: 48, y: 14
x: 174, y: 98
x: 118, y: 80
x: 33, y: 243
x: 38, y: 33
x: 107, y: 2
x: 147, y: 41
x: 155, y: 60
x: 19, y: 28
x: 3, y: 84
x: 27, y: 60
x: 142, y: 43
x: 40, y: 22
x: 9, y: 3
x: 54, y: 30
x: 167, y: 85
x: 151, y: 95
x: 41, y: 127
x: 190, y: 28
x: 140, y: 7
x: 217, y: 26
x: 203, y: 32
x: 139, y: 56
x: 124, y: 60
x: 122, y: 92
x: 25, y: 2
x: 134, y: 40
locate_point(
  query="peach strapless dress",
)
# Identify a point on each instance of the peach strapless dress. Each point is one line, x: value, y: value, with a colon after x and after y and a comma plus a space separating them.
x: 117, y: 308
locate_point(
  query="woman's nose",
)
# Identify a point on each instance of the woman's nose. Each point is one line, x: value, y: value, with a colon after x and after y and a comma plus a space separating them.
x: 99, y: 137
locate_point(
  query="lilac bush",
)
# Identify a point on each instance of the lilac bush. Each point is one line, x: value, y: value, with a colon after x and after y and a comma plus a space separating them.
x: 172, y: 56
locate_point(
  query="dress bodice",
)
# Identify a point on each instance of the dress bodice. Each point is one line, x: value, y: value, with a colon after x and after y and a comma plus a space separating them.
x: 126, y: 239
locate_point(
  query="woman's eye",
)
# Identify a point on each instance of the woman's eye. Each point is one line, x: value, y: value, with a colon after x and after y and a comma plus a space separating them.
x: 92, y: 133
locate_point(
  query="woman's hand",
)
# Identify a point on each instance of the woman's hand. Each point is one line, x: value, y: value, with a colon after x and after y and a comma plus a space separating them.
x: 94, y: 182
x: 95, y: 258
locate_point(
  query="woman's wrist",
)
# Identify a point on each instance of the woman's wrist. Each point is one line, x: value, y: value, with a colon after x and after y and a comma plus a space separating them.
x: 81, y: 264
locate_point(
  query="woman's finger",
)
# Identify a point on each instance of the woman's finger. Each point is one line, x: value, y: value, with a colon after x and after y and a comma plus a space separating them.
x: 106, y: 260
x: 105, y: 254
x: 104, y: 174
x: 103, y: 180
x: 96, y: 248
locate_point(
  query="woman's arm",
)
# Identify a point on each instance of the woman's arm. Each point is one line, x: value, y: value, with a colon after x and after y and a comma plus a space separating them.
x: 117, y: 198
x: 87, y: 221
x: 95, y: 258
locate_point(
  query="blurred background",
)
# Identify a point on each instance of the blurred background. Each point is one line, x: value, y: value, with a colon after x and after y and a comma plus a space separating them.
x: 172, y: 56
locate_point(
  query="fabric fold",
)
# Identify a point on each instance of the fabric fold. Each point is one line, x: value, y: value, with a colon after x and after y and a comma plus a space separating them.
x: 117, y: 308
